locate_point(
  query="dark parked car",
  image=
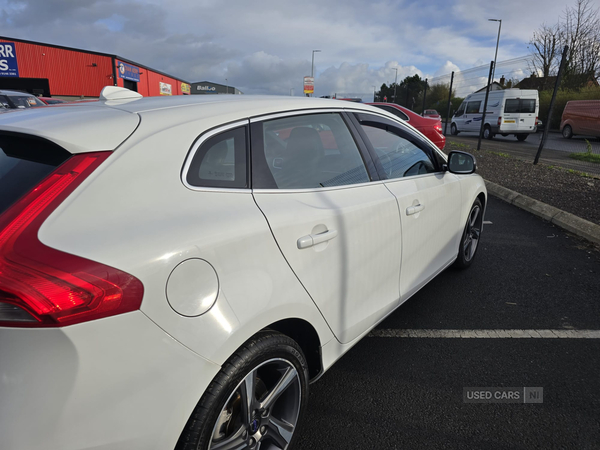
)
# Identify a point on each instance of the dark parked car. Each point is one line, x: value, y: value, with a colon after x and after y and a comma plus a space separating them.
x: 19, y: 100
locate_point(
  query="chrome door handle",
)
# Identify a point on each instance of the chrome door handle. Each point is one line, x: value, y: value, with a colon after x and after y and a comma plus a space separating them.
x: 314, y: 239
x: 414, y: 209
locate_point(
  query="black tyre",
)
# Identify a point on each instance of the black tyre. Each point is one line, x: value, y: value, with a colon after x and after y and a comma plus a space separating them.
x: 487, y: 132
x: 471, y: 235
x: 256, y: 401
x: 567, y: 132
x: 521, y: 137
x: 453, y: 129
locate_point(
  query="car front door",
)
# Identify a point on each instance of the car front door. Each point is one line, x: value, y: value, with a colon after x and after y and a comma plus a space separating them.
x: 459, y: 117
x: 335, y: 223
x: 429, y: 199
x: 473, y: 116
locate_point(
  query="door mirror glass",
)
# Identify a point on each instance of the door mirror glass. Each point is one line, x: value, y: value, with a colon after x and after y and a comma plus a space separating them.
x: 461, y: 163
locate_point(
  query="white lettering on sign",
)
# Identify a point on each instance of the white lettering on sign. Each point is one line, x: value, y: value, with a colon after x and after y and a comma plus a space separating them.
x: 3, y: 65
x: 6, y: 51
x: 206, y: 88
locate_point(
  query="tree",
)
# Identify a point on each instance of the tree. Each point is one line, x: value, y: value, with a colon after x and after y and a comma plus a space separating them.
x: 407, y: 91
x: 579, y: 29
x: 545, y: 45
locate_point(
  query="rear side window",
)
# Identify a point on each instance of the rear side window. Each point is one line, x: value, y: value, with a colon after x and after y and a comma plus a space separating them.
x: 394, y: 111
x: 220, y: 161
x: 519, y: 106
x: 24, y: 162
x: 473, y: 107
x: 306, y: 151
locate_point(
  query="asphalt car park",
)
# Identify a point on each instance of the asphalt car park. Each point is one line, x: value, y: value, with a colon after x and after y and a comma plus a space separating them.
x: 407, y: 392
x: 555, y: 141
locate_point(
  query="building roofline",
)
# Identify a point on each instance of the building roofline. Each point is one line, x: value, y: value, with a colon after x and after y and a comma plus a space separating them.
x: 108, y: 55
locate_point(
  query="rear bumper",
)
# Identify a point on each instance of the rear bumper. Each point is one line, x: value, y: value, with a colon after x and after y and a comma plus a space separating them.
x: 437, y: 138
x: 498, y: 130
x: 115, y: 383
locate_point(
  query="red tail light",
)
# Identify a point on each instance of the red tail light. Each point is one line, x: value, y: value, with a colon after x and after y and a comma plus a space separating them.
x: 438, y: 128
x: 499, y: 121
x: 536, y: 121
x: 44, y: 287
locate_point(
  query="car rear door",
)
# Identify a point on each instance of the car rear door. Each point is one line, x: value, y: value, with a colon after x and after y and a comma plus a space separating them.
x: 429, y: 199
x: 336, y: 224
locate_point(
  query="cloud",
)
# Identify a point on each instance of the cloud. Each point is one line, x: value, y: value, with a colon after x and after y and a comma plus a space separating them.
x: 266, y: 46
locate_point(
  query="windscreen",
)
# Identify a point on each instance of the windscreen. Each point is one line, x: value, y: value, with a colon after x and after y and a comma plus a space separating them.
x: 21, y: 101
x: 24, y: 162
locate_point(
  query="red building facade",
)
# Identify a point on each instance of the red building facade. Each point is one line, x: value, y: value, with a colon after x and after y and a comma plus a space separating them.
x: 51, y: 70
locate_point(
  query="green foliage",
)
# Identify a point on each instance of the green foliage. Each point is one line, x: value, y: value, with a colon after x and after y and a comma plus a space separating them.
x: 587, y: 156
x: 503, y: 155
x: 409, y: 93
x: 562, y: 97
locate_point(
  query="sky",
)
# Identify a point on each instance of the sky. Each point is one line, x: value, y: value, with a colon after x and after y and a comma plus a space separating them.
x: 265, y: 46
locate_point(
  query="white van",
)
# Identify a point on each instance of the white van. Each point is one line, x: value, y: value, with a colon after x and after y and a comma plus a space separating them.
x: 509, y: 111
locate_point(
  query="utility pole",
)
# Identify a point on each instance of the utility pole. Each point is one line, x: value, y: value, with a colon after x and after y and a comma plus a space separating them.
x: 449, y: 103
x: 395, y: 84
x: 424, y: 97
x: 556, y: 86
x: 487, y: 94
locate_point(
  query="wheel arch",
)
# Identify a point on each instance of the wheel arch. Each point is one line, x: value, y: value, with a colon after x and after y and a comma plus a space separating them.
x: 307, y: 338
x: 483, y: 199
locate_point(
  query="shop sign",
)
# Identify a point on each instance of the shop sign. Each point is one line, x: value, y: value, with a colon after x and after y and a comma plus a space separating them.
x: 165, y: 89
x: 309, y: 85
x: 128, y: 72
x: 8, y: 60
x: 186, y: 89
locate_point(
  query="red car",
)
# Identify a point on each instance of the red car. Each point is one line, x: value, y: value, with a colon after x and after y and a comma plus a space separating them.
x: 431, y: 128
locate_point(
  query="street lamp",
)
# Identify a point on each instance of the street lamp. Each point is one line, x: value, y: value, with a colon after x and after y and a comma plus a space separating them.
x: 497, y: 42
x: 312, y: 67
x: 226, y: 86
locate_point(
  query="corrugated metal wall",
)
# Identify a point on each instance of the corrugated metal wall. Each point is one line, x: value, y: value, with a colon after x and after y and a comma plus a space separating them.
x: 70, y: 73
x: 149, y: 84
x: 77, y: 73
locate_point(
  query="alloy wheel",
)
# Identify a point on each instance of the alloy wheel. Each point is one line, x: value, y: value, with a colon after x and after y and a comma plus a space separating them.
x: 472, y: 233
x: 263, y: 410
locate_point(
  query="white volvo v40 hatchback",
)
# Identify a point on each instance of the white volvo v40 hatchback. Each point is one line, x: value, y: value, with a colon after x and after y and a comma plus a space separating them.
x: 175, y: 271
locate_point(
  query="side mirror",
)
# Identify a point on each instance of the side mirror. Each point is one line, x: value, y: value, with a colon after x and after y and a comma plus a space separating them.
x: 461, y: 163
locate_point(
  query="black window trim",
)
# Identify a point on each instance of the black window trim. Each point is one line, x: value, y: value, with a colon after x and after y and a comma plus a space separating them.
x: 380, y: 122
x: 244, y: 123
x: 391, y: 108
x: 257, y: 146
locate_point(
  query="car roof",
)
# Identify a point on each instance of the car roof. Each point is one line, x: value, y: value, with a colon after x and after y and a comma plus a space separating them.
x: 105, y: 124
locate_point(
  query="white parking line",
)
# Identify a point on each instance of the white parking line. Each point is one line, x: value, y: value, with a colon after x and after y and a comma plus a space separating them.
x: 487, y: 222
x: 488, y: 334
